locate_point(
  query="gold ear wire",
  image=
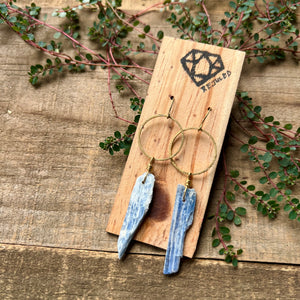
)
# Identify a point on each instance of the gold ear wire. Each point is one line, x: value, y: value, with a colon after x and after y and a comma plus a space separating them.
x: 201, y: 124
x: 169, y: 112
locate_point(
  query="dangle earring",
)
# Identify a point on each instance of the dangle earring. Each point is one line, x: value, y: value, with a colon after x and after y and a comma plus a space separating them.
x: 142, y: 192
x: 184, y: 206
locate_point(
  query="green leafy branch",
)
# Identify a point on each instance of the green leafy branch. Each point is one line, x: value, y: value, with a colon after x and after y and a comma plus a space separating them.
x: 274, y: 152
x: 225, y: 213
x: 246, y: 27
x: 110, y: 30
x: 118, y: 142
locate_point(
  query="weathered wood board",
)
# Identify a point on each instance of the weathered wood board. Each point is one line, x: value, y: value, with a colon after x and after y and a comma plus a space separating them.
x: 198, y: 76
x: 28, y: 272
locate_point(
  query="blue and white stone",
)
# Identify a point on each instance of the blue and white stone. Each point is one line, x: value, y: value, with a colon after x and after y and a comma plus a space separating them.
x: 182, y: 219
x: 140, y: 200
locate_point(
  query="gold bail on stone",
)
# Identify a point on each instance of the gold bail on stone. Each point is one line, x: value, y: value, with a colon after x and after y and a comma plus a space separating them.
x: 149, y: 167
x: 187, y: 185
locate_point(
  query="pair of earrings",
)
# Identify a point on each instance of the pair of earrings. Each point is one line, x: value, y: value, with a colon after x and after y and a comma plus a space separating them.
x: 141, y: 196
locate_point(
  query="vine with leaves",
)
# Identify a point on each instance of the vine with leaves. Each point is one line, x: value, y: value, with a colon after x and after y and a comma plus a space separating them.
x: 265, y: 30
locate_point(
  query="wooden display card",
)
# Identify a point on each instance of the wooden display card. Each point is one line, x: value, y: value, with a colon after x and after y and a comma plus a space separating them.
x: 198, y: 76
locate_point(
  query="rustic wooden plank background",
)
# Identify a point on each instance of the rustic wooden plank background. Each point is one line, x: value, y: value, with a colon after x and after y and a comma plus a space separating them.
x: 57, y: 189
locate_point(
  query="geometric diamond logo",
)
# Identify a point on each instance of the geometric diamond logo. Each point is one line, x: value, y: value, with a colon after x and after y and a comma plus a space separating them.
x: 201, y: 66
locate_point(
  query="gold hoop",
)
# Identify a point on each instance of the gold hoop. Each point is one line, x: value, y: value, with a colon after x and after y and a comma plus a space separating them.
x: 195, y: 173
x: 140, y: 133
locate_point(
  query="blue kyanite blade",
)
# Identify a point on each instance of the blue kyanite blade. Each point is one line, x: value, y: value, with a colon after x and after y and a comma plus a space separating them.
x: 140, y: 200
x: 182, y: 219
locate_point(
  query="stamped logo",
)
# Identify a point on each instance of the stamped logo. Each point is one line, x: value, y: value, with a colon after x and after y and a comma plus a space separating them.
x: 202, y: 66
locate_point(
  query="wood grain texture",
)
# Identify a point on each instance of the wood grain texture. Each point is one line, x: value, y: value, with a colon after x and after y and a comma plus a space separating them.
x: 190, y: 106
x: 40, y: 273
x: 57, y: 187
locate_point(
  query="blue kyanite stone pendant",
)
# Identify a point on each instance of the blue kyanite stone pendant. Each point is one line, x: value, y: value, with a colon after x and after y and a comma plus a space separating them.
x: 182, y: 219
x: 140, y: 200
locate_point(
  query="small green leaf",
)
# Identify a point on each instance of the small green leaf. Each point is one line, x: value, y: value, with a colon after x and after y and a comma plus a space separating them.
x: 50, y: 47
x: 213, y: 232
x: 30, y: 36
x: 42, y: 44
x: 257, y: 169
x: 253, y: 140
x: 268, y: 119
x: 257, y: 109
x: 279, y: 198
x: 232, y: 4
x: 34, y: 80
x: 273, y: 192
x: 244, y: 148
x: 224, y: 230
x: 226, y: 237
x: 270, y: 145
x: 267, y: 157
x: 263, y: 180
x: 13, y: 19
x: 241, y: 211
x: 115, y: 77
x: 234, y: 173
x: 146, y: 28
x: 287, y: 207
x: 56, y: 35
x: 292, y: 215
x: 284, y: 162
x: 288, y: 126
x: 260, y: 207
x: 117, y: 134
x: 230, y: 215
x: 89, y: 57
x: 250, y: 115
x: 160, y: 35
x: 235, y: 262
x: 223, y: 208
x: 131, y: 129
x: 275, y: 39
x: 260, y: 59
x: 239, y: 252
x: 269, y: 31
x: 228, y: 258
x: 215, y: 242
x: 230, y: 196
x: 251, y: 187
x: 237, y: 221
